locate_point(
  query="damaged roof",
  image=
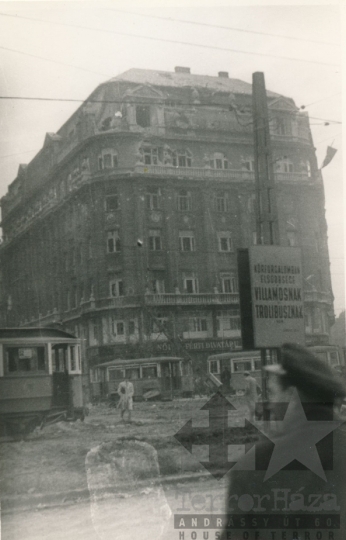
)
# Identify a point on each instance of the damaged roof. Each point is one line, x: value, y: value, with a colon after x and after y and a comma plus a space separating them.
x: 179, y: 80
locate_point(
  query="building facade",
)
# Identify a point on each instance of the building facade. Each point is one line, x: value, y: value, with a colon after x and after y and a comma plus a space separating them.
x: 124, y: 228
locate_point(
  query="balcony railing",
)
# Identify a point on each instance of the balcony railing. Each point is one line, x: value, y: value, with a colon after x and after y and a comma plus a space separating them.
x: 188, y: 299
x: 222, y: 174
x: 168, y: 299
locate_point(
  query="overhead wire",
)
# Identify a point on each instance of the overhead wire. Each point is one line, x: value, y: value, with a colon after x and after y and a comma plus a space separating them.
x: 319, y: 100
x: 53, y: 61
x: 176, y: 42
x: 184, y: 21
x: 223, y: 27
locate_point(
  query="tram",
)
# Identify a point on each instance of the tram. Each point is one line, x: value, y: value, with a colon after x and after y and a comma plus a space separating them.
x: 240, y: 361
x: 164, y: 377
x: 40, y: 378
x: 236, y: 363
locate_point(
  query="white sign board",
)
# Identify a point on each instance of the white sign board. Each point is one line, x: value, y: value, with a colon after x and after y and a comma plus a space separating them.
x: 277, y: 295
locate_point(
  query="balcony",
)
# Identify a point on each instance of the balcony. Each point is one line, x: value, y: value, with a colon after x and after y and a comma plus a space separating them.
x: 235, y: 175
x: 317, y: 296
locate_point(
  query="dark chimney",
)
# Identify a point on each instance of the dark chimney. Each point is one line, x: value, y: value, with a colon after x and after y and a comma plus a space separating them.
x: 181, y: 69
x: 223, y: 74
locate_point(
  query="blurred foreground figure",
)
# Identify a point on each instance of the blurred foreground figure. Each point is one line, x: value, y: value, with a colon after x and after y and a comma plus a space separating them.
x: 251, y: 394
x: 299, y: 473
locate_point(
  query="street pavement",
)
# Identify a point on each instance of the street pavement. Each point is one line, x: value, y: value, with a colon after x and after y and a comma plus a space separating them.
x: 137, y: 517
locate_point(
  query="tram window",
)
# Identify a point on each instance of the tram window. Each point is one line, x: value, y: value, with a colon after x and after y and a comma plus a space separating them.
x: 215, y: 366
x: 258, y: 364
x: 41, y: 365
x: 149, y: 372
x: 73, y: 359
x: 23, y: 359
x: 242, y: 366
x: 132, y: 373
x: 115, y: 374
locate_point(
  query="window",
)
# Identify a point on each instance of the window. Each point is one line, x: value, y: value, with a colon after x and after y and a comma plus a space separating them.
x: 132, y: 327
x: 257, y: 365
x: 187, y: 240
x: 225, y: 241
x: 221, y: 202
x: 143, y: 115
x: 93, y: 333
x: 248, y: 164
x: 228, y: 323
x: 132, y: 373
x: 197, y: 325
x: 228, y: 283
x: 155, y: 240
x: 190, y: 283
x: 113, y: 242
x: 23, y: 359
x: 316, y: 320
x: 241, y: 365
x: 112, y: 202
x: 118, y: 328
x: 149, y: 372
x: 153, y: 198
x: 108, y: 159
x: 116, y: 287
x: 219, y: 161
x: 184, y: 200
x: 279, y: 126
x: 251, y: 203
x: 115, y: 374
x: 182, y: 158
x: 151, y: 156
x: 284, y: 165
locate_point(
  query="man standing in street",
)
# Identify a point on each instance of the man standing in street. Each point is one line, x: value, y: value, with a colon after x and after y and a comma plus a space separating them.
x: 125, y: 391
x: 251, y: 394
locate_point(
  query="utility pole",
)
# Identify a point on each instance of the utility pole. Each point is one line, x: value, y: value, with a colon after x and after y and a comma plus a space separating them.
x: 267, y: 226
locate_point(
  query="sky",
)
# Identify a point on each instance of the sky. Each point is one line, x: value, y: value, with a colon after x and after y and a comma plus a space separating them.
x: 72, y: 47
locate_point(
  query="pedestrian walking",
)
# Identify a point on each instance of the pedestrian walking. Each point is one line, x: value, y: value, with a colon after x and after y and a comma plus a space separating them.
x: 226, y: 379
x: 304, y: 461
x: 126, y: 392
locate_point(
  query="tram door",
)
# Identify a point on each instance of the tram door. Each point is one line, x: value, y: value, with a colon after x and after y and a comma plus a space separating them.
x: 61, y: 393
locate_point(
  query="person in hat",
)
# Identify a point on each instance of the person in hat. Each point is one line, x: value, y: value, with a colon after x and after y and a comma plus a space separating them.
x: 251, y: 394
x: 301, y: 468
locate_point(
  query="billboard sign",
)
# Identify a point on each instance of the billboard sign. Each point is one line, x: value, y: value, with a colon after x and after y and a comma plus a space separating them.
x: 271, y: 296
